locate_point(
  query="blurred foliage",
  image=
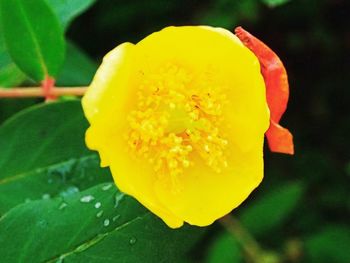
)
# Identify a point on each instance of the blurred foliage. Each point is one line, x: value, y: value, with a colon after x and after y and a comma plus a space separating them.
x: 272, y: 209
x: 302, y: 208
x: 225, y: 249
x: 329, y: 245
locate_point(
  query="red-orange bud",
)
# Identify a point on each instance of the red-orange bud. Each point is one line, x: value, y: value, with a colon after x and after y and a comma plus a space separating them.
x: 277, y: 91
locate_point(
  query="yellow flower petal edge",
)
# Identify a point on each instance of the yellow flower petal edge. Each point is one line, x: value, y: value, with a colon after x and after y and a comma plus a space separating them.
x: 180, y: 119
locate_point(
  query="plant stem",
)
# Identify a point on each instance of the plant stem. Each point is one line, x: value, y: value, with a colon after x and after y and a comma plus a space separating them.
x: 252, y: 249
x: 250, y: 246
x: 26, y: 92
x: 47, y: 86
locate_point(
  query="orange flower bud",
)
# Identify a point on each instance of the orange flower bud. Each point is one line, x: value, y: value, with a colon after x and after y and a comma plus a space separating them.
x: 277, y: 91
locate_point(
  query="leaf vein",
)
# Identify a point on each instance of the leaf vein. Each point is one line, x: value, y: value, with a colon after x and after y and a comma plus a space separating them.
x: 35, y: 42
x: 95, y: 240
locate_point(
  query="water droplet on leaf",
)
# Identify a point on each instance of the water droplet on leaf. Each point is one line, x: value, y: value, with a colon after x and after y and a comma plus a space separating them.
x: 107, y: 187
x: 132, y: 240
x: 62, y: 206
x: 106, y: 222
x: 118, y: 197
x: 45, y: 196
x: 99, y: 214
x: 87, y: 199
x: 68, y: 191
x: 98, y: 205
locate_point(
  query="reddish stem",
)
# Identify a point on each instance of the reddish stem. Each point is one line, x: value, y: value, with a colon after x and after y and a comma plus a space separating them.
x: 48, y: 85
x: 27, y: 92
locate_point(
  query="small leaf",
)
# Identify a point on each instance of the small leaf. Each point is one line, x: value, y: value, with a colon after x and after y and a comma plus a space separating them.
x: 272, y: 209
x: 98, y: 225
x: 225, y: 249
x: 67, y: 10
x: 43, y: 154
x: 33, y: 37
x: 332, y: 244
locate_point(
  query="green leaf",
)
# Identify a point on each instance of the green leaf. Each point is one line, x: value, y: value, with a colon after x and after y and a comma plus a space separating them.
x: 9, y: 107
x: 272, y: 209
x: 67, y: 10
x: 33, y: 37
x: 78, y: 68
x: 43, y: 154
x: 332, y: 244
x: 98, y: 225
x: 275, y: 3
x: 10, y: 74
x: 225, y: 249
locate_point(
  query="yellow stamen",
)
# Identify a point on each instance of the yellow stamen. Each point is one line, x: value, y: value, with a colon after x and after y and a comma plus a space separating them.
x: 177, y: 116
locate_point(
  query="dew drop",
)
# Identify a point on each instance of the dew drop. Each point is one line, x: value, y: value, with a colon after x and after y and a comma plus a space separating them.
x: 107, y: 187
x: 98, y: 205
x: 45, y: 196
x: 69, y: 190
x: 106, y: 222
x: 132, y: 240
x: 99, y: 214
x: 118, y: 197
x: 87, y: 199
x: 62, y: 206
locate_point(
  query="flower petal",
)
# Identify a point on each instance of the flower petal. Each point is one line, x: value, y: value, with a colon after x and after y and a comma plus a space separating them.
x: 205, y: 196
x: 136, y: 177
x: 107, y: 96
x: 279, y: 139
x: 111, y: 83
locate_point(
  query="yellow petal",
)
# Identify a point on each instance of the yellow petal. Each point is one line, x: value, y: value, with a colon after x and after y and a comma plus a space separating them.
x: 107, y: 96
x: 136, y: 178
x: 205, y: 196
x: 110, y: 84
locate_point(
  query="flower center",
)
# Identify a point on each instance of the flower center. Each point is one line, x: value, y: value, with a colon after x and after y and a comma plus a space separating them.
x: 177, y: 119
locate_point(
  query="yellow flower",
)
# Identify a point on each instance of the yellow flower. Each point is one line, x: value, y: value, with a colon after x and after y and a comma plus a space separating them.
x: 180, y: 119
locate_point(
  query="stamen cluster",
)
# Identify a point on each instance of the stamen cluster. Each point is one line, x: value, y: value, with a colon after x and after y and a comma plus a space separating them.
x: 177, y: 119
